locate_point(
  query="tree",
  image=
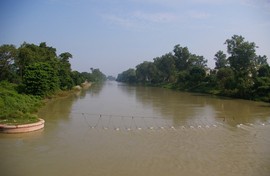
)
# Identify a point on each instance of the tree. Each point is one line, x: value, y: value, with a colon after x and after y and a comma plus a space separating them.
x: 196, y: 75
x: 264, y: 71
x: 8, y: 55
x: 182, y: 57
x: 98, y: 76
x: 166, y: 67
x: 128, y: 76
x: 147, y: 72
x: 31, y: 53
x: 64, y: 72
x: 40, y: 79
x: 242, y: 54
x: 184, y: 60
x: 225, y: 78
x: 221, y: 60
x: 241, y: 59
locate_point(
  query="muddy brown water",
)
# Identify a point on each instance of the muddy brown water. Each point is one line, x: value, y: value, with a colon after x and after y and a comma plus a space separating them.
x: 115, y: 129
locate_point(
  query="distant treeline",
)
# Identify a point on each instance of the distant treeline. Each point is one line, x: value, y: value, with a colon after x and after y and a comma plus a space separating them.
x: 241, y: 74
x: 38, y: 70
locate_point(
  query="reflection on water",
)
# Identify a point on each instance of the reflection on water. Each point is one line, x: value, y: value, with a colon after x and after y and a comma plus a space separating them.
x: 106, y: 130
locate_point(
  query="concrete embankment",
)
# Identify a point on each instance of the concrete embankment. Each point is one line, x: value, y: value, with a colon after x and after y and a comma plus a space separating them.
x: 22, y: 128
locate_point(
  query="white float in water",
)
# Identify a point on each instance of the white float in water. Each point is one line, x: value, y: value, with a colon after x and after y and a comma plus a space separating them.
x: 239, y: 125
x: 191, y: 126
x: 199, y: 126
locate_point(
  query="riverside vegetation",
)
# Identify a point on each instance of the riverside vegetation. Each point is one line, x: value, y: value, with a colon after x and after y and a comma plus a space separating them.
x: 241, y: 74
x: 31, y: 73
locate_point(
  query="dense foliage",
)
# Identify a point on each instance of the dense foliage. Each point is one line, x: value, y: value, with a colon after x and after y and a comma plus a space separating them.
x: 241, y: 74
x: 31, y: 72
x: 15, y: 107
x: 39, y: 71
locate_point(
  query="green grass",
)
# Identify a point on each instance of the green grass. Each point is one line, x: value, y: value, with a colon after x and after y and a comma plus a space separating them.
x: 17, y: 108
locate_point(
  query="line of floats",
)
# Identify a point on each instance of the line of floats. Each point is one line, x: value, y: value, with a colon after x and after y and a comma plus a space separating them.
x: 98, y: 123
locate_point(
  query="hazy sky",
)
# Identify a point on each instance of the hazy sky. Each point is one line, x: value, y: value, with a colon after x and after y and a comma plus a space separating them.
x: 115, y: 35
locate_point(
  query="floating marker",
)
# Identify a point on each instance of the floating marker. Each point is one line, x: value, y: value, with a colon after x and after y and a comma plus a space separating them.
x: 151, y: 128
x: 139, y: 128
x: 191, y: 126
x: 117, y: 129
x: 199, y: 126
x: 162, y: 128
x: 239, y: 125
x: 263, y: 124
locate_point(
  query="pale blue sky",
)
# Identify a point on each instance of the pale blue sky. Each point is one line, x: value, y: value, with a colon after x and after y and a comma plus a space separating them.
x: 115, y: 35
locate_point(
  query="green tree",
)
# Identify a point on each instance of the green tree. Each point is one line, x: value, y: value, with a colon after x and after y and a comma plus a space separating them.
x: 264, y: 71
x: 147, y: 72
x: 64, y: 73
x: 221, y: 60
x: 241, y: 59
x: 182, y: 57
x: 97, y: 75
x: 31, y: 53
x: 242, y: 54
x: 184, y: 60
x: 8, y: 55
x: 40, y: 79
x: 225, y: 78
x: 166, y: 67
x: 128, y: 76
x: 196, y: 75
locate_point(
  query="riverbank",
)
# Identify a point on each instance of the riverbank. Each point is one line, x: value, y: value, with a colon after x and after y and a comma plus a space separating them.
x: 20, y: 109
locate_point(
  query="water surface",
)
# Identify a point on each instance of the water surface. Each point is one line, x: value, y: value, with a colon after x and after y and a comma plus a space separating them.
x: 115, y: 129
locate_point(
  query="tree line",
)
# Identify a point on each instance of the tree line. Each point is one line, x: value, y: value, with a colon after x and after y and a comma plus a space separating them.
x: 38, y: 70
x: 240, y: 73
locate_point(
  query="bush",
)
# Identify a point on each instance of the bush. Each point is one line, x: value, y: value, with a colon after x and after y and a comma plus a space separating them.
x: 17, y: 106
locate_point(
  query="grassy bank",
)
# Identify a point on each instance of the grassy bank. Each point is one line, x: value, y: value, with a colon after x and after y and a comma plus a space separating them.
x: 17, y: 108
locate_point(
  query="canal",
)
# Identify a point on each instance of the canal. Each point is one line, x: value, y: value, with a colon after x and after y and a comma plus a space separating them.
x: 116, y: 130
